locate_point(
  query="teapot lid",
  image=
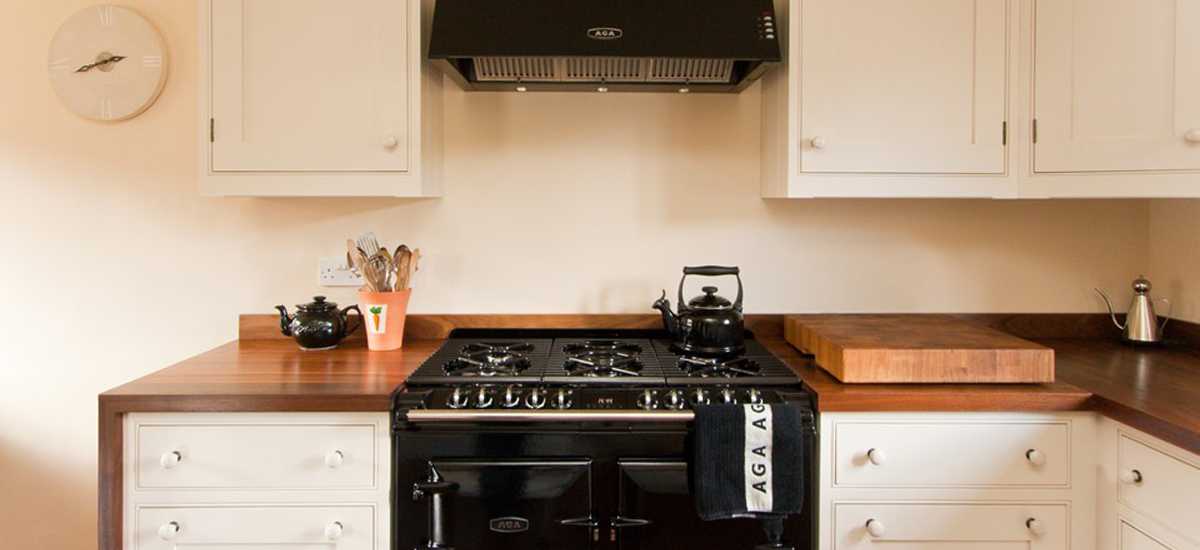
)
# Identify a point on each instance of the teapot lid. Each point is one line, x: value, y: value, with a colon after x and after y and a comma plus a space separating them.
x: 318, y: 304
x: 710, y: 300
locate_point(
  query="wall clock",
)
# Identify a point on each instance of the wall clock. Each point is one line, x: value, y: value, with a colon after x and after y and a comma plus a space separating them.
x: 107, y: 63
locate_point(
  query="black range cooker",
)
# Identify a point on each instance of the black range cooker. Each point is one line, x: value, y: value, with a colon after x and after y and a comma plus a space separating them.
x: 571, y: 440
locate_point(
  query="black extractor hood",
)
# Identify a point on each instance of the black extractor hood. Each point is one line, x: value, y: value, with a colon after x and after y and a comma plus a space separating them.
x: 605, y: 45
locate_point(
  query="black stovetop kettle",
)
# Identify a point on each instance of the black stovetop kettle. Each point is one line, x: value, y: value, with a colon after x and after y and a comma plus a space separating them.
x: 708, y: 325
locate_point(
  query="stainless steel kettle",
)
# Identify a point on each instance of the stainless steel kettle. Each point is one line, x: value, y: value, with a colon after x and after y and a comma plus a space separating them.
x: 1141, y: 323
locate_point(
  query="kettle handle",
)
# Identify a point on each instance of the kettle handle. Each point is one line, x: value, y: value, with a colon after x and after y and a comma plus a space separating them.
x: 1166, y: 316
x: 712, y: 271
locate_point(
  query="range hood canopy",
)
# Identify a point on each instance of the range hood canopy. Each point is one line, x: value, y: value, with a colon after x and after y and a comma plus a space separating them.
x: 604, y: 45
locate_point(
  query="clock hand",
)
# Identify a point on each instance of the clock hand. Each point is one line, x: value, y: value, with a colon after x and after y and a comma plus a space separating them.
x: 100, y: 63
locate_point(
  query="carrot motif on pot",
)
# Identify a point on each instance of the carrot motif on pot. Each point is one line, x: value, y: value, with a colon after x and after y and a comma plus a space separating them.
x: 375, y: 311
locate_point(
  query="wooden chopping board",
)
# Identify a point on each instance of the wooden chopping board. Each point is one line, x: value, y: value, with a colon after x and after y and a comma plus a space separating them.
x: 914, y: 348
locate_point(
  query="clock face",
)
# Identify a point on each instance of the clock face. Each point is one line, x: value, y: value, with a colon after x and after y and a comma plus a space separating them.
x: 107, y: 63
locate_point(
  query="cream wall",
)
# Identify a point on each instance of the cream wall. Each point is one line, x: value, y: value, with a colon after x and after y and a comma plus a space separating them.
x: 114, y: 267
x: 1174, y: 268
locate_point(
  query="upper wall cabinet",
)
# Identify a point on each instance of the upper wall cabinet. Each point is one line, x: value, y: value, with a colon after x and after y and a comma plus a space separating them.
x: 318, y: 98
x: 1116, y: 89
x: 891, y: 98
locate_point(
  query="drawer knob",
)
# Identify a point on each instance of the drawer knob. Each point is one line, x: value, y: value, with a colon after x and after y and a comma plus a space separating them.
x: 877, y: 457
x: 1192, y: 136
x: 390, y: 141
x: 334, y: 531
x: 170, y: 460
x: 1035, y: 457
x: 818, y: 142
x: 168, y: 530
x: 334, y: 459
x: 1131, y: 477
x: 1036, y: 527
x: 875, y: 528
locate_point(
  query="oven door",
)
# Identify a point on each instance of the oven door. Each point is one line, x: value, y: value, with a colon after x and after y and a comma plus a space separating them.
x: 518, y: 503
x: 656, y: 511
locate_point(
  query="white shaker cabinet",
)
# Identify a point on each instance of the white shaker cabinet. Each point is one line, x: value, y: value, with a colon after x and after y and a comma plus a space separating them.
x: 1117, y: 86
x: 317, y: 97
x: 890, y: 98
x: 257, y: 527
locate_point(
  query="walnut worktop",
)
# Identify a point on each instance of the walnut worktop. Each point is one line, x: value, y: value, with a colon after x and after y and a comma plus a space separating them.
x: 1153, y: 389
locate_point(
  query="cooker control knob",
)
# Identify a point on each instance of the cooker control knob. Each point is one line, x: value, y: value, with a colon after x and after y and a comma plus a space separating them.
x: 647, y: 401
x: 562, y: 399
x: 698, y: 397
x: 674, y: 400
x: 458, y: 399
x: 728, y: 396
x: 511, y: 397
x: 754, y: 397
x: 536, y: 399
x: 483, y: 399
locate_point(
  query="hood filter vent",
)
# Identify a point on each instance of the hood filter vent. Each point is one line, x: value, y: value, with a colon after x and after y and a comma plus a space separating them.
x: 602, y: 69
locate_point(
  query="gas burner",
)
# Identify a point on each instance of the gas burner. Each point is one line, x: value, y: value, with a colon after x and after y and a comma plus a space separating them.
x: 496, y: 359
x: 716, y: 368
x: 603, y: 345
x: 602, y: 362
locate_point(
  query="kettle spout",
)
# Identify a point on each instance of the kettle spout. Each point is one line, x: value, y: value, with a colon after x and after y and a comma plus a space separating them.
x: 670, y: 320
x: 1111, y: 313
x: 285, y: 321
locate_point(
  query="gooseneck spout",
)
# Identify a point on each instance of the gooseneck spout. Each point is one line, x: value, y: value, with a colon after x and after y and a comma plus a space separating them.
x: 285, y: 321
x: 670, y: 320
x: 1111, y: 312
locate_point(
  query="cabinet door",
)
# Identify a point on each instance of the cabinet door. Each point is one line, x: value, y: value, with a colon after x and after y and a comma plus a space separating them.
x: 1133, y: 538
x: 903, y: 86
x: 256, y: 528
x: 1117, y: 85
x: 950, y: 526
x: 309, y: 85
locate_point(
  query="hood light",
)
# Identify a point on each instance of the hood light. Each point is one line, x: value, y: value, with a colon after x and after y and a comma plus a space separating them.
x: 684, y: 90
x: 522, y: 89
x: 602, y: 89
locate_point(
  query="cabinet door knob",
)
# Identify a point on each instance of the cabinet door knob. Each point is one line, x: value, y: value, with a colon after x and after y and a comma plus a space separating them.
x: 334, y: 531
x: 1035, y: 457
x: 1131, y: 477
x: 1036, y: 527
x: 168, y: 530
x: 875, y: 528
x: 390, y: 141
x: 1192, y: 136
x: 169, y: 460
x: 334, y: 459
x: 877, y: 457
x: 818, y: 142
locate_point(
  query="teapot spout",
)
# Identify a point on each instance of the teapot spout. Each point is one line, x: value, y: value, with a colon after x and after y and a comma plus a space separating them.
x: 1111, y: 313
x: 670, y: 320
x: 285, y: 321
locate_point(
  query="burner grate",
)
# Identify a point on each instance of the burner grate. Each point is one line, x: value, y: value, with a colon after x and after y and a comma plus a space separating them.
x: 602, y: 362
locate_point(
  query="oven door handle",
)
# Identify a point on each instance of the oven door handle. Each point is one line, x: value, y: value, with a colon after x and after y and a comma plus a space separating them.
x: 579, y: 522
x: 619, y: 522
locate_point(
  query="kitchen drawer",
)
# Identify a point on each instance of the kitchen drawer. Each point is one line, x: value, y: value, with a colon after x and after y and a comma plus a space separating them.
x: 1133, y: 538
x: 255, y: 455
x: 861, y: 526
x: 952, y: 454
x: 1160, y: 486
x: 256, y: 527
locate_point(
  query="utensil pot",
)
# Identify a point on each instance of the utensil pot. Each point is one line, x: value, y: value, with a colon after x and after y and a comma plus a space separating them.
x: 383, y: 318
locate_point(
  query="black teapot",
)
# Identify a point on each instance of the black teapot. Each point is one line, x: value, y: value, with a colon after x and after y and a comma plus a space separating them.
x: 708, y: 325
x: 318, y: 324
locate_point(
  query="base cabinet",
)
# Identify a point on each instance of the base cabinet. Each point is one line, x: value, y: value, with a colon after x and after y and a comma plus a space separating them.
x: 256, y: 481
x: 956, y: 481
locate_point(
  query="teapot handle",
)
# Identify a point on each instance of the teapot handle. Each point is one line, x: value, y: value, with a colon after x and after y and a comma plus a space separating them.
x: 712, y: 271
x: 345, y: 319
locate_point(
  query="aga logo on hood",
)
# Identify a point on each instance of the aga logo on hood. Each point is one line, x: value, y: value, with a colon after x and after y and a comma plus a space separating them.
x: 605, y: 33
x: 510, y: 524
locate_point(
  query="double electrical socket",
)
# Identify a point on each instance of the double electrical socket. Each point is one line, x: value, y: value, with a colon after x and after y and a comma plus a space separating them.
x: 335, y: 272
